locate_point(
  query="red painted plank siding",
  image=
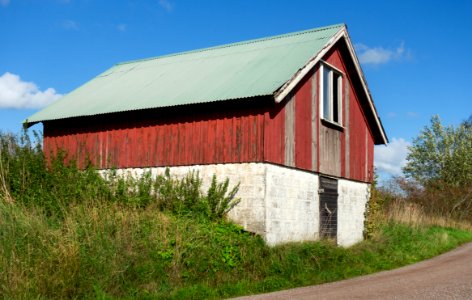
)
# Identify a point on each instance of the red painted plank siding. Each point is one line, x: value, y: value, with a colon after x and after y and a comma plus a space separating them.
x: 274, y: 134
x: 303, y: 126
x: 201, y: 139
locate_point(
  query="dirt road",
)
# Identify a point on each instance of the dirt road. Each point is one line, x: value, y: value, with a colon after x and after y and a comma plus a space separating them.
x: 448, y: 276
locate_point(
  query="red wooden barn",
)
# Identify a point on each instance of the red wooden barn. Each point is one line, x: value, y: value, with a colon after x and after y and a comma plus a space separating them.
x: 290, y: 117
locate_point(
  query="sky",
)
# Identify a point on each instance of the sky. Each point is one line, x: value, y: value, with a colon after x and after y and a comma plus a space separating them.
x: 415, y: 54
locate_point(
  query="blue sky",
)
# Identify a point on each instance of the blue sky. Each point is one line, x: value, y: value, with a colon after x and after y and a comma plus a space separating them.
x: 415, y: 54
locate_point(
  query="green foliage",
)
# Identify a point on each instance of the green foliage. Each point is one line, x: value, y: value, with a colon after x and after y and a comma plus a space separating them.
x: 70, y: 233
x: 440, y: 163
x: 441, y: 154
x: 108, y: 251
x: 217, y: 201
x: 26, y: 176
x: 376, y: 207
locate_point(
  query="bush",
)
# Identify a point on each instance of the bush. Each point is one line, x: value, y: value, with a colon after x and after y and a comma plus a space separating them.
x: 54, y: 185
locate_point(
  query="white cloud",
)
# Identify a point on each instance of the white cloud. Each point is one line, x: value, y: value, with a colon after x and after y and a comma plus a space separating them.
x: 4, y: 2
x: 70, y: 25
x: 166, y: 5
x: 379, y: 55
x: 15, y: 93
x: 391, y: 158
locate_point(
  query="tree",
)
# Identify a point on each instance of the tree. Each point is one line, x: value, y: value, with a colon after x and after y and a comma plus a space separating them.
x: 442, y: 154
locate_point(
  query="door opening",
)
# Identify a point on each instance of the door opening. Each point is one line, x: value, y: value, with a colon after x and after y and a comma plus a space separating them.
x: 328, y: 207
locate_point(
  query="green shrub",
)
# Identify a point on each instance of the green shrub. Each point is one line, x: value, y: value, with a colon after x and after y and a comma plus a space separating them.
x: 28, y: 177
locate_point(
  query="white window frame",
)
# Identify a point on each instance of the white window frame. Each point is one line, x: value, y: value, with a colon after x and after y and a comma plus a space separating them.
x: 339, y: 76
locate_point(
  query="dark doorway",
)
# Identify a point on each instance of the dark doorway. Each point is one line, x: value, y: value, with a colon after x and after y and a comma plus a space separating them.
x: 328, y: 207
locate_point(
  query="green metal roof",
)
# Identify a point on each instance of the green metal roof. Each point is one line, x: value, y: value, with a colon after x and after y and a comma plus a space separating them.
x: 245, y: 69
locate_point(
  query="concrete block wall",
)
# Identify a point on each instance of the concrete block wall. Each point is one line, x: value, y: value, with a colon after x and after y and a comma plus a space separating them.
x: 292, y: 212
x: 279, y: 203
x: 352, y: 200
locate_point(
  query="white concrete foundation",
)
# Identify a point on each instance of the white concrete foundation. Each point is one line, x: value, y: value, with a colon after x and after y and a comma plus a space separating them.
x: 279, y: 203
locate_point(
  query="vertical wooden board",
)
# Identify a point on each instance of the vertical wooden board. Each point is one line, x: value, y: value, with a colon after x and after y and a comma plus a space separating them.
x: 183, y: 154
x: 347, y: 127
x: 195, y: 139
x: 124, y: 147
x: 314, y: 121
x: 113, y: 148
x: 161, y: 147
x: 261, y: 138
x: 204, y: 128
x: 241, y: 135
x: 357, y: 140
x: 169, y: 143
x: 164, y: 150
x: 174, y: 144
x: 330, y: 162
x: 303, y: 125
x: 258, y: 137
x: 181, y: 157
x: 289, y: 142
x: 219, y: 147
x: 186, y: 149
x: 119, y: 142
x: 137, y: 147
x: 211, y: 142
x: 237, y: 139
x: 157, y: 145
x: 106, y: 157
x: 246, y: 121
x: 279, y: 137
x: 227, y: 139
x: 144, y: 145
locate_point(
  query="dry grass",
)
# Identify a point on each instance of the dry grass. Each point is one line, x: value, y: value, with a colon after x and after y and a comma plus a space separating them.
x: 412, y: 214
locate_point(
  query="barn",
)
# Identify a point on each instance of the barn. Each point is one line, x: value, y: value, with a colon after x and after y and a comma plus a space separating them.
x: 289, y: 117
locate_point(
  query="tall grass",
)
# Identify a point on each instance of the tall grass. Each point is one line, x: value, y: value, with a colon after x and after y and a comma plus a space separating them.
x: 70, y: 233
x: 106, y: 249
x: 405, y: 202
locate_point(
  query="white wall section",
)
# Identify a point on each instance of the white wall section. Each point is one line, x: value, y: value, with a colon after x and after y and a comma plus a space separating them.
x: 280, y: 204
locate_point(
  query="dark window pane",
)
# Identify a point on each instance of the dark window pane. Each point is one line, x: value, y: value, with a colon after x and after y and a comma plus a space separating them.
x: 326, y: 91
x: 335, y: 98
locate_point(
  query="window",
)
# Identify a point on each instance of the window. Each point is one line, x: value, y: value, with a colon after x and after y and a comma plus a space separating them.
x: 331, y: 83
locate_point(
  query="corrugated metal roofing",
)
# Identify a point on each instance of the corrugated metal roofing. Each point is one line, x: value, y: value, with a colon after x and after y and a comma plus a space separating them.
x: 245, y: 69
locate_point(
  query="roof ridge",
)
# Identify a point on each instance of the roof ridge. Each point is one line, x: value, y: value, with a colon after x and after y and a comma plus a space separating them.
x: 251, y: 41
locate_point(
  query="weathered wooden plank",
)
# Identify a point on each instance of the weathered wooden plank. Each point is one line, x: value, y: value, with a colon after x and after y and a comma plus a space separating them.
x: 347, y: 127
x: 290, y: 132
x: 330, y: 151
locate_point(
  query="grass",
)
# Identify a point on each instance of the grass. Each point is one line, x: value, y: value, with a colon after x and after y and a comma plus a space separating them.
x: 69, y: 233
x: 108, y: 250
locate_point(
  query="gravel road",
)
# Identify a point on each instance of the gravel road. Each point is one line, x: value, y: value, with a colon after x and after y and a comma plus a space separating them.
x: 448, y: 276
